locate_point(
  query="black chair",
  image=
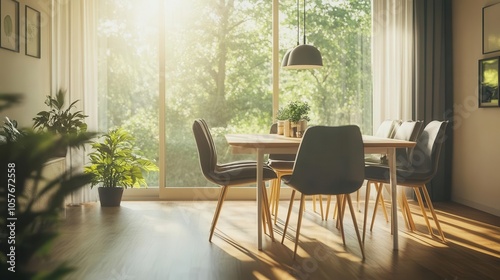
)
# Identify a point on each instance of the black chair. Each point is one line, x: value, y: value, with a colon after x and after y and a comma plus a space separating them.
x: 409, y: 131
x: 419, y: 170
x: 228, y: 174
x: 330, y: 161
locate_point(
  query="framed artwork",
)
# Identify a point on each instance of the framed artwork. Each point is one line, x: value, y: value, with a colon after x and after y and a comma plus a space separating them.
x: 488, y: 82
x: 9, y: 25
x: 491, y: 28
x: 32, y: 32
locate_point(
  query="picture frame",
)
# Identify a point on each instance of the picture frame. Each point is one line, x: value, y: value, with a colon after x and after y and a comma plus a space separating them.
x: 491, y: 28
x: 32, y: 32
x: 488, y: 92
x: 9, y: 25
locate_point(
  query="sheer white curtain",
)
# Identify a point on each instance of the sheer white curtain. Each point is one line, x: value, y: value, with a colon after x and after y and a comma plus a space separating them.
x: 74, y: 55
x: 392, y: 59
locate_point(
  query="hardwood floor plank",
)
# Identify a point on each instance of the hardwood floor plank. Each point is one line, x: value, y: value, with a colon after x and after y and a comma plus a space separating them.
x: 169, y: 240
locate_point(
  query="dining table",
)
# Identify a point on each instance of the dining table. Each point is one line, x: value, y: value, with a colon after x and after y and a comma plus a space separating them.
x: 262, y: 144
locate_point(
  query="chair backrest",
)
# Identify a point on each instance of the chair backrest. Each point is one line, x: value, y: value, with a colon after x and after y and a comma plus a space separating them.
x: 330, y: 160
x: 409, y: 131
x: 386, y: 129
x: 274, y: 130
x: 425, y: 155
x: 206, y: 147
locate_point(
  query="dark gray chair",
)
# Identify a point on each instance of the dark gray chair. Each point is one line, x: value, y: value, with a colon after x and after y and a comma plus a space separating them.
x: 228, y: 174
x: 419, y: 170
x: 409, y: 131
x: 330, y: 161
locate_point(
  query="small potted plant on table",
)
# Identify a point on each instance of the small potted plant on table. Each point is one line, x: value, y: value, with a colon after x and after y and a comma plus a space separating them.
x: 115, y: 165
x: 298, y: 116
x: 282, y: 118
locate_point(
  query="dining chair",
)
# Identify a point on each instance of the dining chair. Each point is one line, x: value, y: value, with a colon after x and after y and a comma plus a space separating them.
x: 409, y: 131
x: 330, y: 161
x: 228, y: 174
x: 282, y: 164
x: 387, y: 129
x: 419, y: 170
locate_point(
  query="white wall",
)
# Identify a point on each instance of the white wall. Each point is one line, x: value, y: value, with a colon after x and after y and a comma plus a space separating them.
x: 23, y: 74
x: 476, y: 151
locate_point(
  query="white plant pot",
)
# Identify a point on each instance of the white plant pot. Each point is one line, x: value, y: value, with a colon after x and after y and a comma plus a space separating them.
x: 281, y: 127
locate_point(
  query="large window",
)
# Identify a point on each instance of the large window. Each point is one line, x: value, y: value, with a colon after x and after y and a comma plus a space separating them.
x: 340, y: 92
x: 217, y: 66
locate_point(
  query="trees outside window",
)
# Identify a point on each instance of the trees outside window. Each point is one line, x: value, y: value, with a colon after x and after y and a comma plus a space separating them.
x: 218, y: 67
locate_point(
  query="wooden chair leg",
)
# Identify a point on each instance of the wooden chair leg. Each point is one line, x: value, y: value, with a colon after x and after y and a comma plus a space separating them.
x: 367, y: 198
x: 272, y: 196
x: 267, y: 214
x: 222, y: 196
x: 422, y: 208
x: 288, y: 216
x: 328, y: 202
x: 431, y: 208
x: 377, y: 199
x: 277, y: 199
x: 355, y: 225
x: 314, y: 203
x: 299, y: 223
x: 382, y: 201
x: 321, y: 207
x: 403, y: 208
x: 407, y: 210
x: 340, y: 215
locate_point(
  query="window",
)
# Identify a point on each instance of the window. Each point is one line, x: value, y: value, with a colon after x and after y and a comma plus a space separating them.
x: 218, y: 67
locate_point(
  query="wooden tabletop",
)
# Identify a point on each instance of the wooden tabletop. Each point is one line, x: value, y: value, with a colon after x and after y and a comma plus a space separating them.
x: 275, y: 141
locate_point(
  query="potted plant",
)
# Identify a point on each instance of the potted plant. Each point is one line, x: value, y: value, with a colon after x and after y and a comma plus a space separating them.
x: 281, y: 117
x: 115, y: 165
x: 60, y: 120
x: 298, y: 115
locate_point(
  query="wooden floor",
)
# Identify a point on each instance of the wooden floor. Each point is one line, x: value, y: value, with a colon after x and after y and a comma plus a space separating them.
x: 169, y: 240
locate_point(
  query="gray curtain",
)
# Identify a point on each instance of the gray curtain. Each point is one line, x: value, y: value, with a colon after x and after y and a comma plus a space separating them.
x: 433, y: 92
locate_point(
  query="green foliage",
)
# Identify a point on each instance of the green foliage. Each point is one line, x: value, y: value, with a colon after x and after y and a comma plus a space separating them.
x: 218, y: 66
x: 298, y: 110
x: 23, y: 186
x: 115, y: 162
x: 60, y: 120
x: 10, y: 132
x: 283, y: 114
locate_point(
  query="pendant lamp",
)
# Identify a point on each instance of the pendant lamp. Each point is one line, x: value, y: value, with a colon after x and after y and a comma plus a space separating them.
x: 302, y: 56
x: 284, y: 63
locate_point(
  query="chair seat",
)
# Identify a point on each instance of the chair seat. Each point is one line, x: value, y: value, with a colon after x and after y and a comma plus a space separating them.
x: 281, y: 164
x: 405, y: 176
x: 228, y: 165
x: 240, y: 174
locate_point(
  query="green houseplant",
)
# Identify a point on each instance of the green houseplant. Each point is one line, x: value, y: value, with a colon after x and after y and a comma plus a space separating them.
x: 115, y: 165
x: 60, y: 120
x: 298, y: 116
x: 282, y: 117
x: 23, y: 157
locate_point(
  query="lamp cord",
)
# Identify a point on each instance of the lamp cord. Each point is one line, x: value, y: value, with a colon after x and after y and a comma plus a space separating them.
x: 298, y: 24
x: 304, y: 22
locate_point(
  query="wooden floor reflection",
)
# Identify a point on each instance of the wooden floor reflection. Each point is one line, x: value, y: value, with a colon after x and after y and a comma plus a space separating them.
x: 169, y: 240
